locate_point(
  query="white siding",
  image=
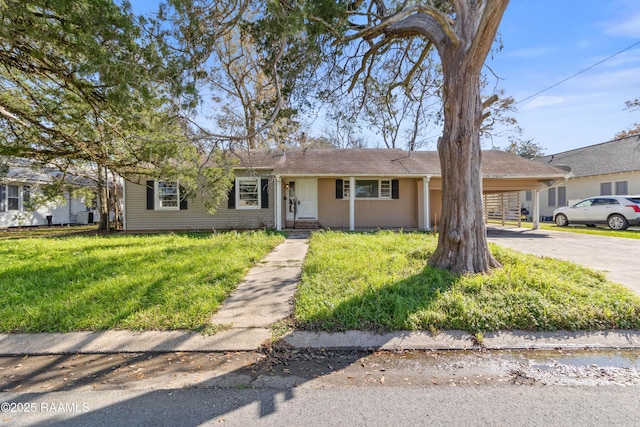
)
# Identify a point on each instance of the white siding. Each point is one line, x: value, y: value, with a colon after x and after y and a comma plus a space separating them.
x: 64, y: 213
x: 583, y: 187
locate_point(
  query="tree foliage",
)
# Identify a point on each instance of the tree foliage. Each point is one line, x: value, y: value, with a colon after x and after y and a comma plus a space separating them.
x: 81, y: 84
x: 525, y: 148
x: 634, y: 129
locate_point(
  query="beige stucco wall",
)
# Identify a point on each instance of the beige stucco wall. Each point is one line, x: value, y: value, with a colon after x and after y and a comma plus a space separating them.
x: 195, y: 217
x: 391, y: 213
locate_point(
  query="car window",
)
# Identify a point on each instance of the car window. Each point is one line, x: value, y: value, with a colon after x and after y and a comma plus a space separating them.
x: 634, y: 199
x: 583, y: 204
x: 603, y: 202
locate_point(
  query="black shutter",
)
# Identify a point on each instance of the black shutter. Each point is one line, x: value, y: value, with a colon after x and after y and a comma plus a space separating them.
x: 264, y: 198
x: 339, y: 189
x: 231, y: 203
x: 395, y: 189
x: 183, y: 199
x: 150, y: 195
x: 3, y: 197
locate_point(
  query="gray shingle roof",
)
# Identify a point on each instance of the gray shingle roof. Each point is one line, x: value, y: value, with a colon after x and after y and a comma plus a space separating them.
x: 386, y: 162
x: 620, y: 155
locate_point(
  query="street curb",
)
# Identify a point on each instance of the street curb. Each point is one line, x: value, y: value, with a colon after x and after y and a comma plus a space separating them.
x: 459, y: 340
x: 124, y: 341
x: 251, y: 339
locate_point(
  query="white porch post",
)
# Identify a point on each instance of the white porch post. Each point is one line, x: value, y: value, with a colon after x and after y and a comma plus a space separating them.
x: 425, y: 201
x: 352, y: 203
x: 278, y: 202
x: 536, y: 209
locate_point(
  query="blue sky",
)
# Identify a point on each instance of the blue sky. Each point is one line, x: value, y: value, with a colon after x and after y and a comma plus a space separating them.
x: 546, y: 41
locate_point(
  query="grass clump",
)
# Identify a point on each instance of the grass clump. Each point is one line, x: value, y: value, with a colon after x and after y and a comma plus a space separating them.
x: 140, y: 282
x: 380, y: 281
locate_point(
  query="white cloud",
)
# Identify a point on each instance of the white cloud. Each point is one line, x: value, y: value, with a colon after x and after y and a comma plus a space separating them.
x: 629, y: 26
x: 544, y: 101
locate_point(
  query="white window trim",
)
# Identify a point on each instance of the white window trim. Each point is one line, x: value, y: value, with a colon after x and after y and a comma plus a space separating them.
x: 158, y: 206
x: 20, y: 197
x: 16, y: 197
x: 345, y: 189
x: 257, y: 182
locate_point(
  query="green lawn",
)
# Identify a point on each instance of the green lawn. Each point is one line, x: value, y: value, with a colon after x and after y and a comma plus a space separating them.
x: 139, y: 282
x: 380, y: 281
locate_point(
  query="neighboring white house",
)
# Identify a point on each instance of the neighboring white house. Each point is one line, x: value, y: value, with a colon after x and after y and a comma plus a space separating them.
x: 19, y: 187
x: 609, y: 168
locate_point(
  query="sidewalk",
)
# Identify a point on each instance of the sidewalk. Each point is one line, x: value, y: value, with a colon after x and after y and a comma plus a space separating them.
x: 265, y: 297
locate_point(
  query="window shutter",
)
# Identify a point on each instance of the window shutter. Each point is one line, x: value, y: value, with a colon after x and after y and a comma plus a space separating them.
x: 231, y: 203
x: 395, y: 189
x: 150, y: 195
x: 3, y: 197
x: 264, y: 198
x: 339, y: 188
x: 183, y: 200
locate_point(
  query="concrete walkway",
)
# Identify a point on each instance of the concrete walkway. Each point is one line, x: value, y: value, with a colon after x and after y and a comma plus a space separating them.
x: 265, y: 297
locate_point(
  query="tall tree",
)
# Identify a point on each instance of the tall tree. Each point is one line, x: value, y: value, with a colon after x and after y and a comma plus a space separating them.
x: 230, y: 85
x: 462, y: 32
x: 81, y: 84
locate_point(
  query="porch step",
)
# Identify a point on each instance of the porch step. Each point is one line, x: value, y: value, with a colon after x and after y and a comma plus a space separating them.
x: 306, y: 225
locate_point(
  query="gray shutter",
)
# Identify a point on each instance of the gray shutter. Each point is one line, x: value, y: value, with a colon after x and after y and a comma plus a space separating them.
x: 3, y: 197
x: 395, y: 189
x: 150, y: 195
x: 264, y: 197
x: 339, y: 189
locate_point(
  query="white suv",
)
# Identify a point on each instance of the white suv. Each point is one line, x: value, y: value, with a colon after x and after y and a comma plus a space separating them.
x: 619, y: 212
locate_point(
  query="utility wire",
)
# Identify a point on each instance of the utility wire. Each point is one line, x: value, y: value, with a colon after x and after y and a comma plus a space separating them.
x: 578, y: 73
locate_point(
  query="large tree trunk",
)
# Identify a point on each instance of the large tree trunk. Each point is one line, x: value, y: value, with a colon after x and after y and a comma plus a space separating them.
x: 462, y: 242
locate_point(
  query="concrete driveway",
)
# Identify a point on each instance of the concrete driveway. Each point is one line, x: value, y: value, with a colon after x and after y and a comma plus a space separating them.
x: 619, y: 258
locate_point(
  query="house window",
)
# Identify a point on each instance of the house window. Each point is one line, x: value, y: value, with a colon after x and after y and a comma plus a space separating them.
x: 552, y: 197
x: 345, y: 188
x: 562, y: 196
x: 167, y: 195
x: 605, y: 189
x: 622, y: 188
x: 528, y: 195
x: 26, y: 197
x: 368, y: 189
x: 385, y: 189
x: 13, y: 202
x: 248, y: 194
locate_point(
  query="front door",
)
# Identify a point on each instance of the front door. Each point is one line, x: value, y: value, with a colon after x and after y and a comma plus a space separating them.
x: 302, y: 200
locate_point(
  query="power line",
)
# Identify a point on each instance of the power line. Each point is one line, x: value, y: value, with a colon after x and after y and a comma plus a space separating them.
x: 578, y: 73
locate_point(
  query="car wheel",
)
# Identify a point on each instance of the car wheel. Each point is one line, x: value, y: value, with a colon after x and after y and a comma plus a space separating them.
x: 617, y: 222
x: 561, y: 220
